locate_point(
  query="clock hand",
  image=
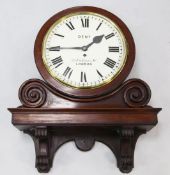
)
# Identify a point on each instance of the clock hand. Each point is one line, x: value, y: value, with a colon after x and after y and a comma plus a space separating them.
x: 78, y: 48
x: 58, y: 48
x: 96, y: 40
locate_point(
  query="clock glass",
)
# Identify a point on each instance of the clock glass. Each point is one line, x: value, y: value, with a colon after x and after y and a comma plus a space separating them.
x: 84, y: 50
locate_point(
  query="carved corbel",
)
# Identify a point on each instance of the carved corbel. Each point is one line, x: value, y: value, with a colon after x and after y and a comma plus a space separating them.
x: 128, y: 138
x: 42, y: 139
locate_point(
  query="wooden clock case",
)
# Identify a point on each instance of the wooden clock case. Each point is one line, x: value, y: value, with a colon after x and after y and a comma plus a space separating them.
x: 85, y: 93
x: 115, y: 114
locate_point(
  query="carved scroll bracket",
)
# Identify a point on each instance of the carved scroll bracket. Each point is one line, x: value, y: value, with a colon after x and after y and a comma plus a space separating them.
x: 128, y: 138
x: 42, y: 141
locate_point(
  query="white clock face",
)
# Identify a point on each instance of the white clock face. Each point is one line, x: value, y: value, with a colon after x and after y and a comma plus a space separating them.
x: 84, y: 50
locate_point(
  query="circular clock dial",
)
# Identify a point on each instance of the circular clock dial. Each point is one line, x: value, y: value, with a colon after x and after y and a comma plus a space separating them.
x: 84, y: 50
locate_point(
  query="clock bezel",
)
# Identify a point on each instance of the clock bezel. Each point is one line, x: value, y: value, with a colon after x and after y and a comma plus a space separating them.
x: 89, y: 92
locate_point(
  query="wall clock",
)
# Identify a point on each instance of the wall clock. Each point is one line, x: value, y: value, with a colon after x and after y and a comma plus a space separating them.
x: 84, y: 55
x: 84, y: 52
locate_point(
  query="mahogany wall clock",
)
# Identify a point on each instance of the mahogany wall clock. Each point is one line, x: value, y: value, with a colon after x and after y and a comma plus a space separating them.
x: 84, y: 55
x: 84, y: 52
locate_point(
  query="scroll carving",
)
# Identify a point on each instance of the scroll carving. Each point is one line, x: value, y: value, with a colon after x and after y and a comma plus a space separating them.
x: 32, y: 94
x: 134, y: 92
x: 137, y: 93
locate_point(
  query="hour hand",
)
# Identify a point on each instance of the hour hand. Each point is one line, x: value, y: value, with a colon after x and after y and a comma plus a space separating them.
x: 58, y: 48
x: 96, y: 40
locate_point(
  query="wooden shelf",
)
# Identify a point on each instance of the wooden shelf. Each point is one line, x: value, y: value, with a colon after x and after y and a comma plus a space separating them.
x: 117, y: 120
x: 86, y: 117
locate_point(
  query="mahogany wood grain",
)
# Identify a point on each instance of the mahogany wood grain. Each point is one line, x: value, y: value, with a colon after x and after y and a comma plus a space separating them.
x: 86, y: 117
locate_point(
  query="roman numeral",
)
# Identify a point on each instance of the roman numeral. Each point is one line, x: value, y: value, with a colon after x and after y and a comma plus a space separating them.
x: 98, y: 26
x: 58, y: 35
x: 85, y: 22
x: 110, y: 63
x: 68, y: 71
x: 57, y: 48
x: 99, y: 73
x: 70, y: 26
x: 110, y: 35
x: 83, y: 77
x: 113, y: 49
x: 57, y: 61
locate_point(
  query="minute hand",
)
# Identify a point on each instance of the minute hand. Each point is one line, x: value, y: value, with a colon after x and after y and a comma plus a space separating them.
x: 58, y: 48
x: 78, y: 48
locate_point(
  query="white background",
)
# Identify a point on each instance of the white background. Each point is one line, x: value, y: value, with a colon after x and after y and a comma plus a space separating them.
x: 149, y: 22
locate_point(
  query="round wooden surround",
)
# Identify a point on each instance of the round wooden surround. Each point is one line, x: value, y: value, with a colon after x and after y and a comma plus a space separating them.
x: 93, y: 93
